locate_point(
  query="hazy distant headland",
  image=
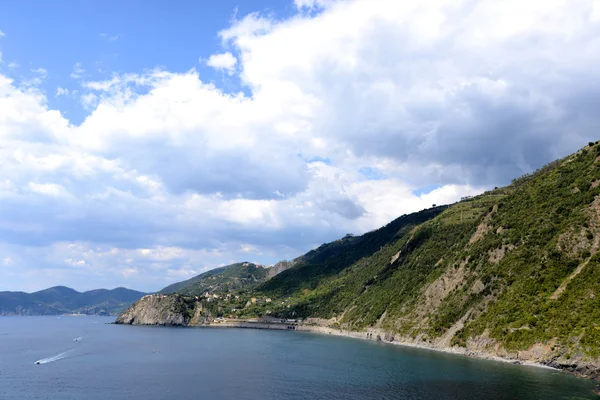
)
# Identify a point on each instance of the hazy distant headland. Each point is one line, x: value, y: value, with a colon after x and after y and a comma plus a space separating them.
x: 63, y: 300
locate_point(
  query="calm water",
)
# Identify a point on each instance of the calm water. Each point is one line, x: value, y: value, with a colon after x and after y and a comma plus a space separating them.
x: 125, y: 362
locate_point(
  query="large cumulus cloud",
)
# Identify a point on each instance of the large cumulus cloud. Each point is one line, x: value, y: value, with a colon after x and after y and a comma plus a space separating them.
x: 345, y: 110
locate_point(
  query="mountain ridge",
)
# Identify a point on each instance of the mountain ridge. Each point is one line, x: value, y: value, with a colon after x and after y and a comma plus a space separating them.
x: 243, y: 275
x: 64, y: 300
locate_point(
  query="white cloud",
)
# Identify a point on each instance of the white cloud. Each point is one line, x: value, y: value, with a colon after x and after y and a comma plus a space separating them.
x: 111, y: 38
x: 595, y: 13
x: 42, y: 72
x: 312, y: 4
x: 89, y: 101
x: 74, y: 263
x: 223, y: 61
x: 78, y: 71
x: 61, y: 92
x: 2, y: 34
x: 48, y: 189
x: 352, y: 111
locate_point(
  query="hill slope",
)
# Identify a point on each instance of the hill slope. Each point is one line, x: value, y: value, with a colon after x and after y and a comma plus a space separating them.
x: 64, y: 300
x: 329, y: 259
x: 514, y: 272
x: 232, y: 277
x: 305, y: 271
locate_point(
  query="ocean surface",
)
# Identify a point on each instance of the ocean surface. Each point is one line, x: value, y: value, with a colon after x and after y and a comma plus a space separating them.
x: 87, y: 358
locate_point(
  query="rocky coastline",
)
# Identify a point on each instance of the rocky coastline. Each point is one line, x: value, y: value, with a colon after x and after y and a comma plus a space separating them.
x: 177, y: 310
x: 390, y: 339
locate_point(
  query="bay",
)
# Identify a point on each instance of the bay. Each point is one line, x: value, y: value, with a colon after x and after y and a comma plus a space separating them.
x: 89, y: 358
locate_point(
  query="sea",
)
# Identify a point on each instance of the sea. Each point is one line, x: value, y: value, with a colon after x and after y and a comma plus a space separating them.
x: 75, y: 357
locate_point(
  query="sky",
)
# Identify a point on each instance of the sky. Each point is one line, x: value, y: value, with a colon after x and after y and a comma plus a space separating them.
x: 145, y: 142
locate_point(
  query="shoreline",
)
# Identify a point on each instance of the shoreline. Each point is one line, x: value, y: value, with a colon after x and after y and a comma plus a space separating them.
x: 363, y: 336
x: 577, y: 367
x: 459, y: 351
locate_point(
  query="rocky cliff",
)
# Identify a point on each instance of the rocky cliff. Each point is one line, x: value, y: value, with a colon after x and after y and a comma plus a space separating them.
x: 158, y: 309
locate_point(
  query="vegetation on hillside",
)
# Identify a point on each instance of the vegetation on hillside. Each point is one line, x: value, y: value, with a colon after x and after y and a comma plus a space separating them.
x: 239, y: 276
x: 493, y: 263
x: 311, y: 269
x: 508, y: 269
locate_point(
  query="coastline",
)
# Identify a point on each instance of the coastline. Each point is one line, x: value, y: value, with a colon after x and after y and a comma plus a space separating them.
x: 368, y: 336
x: 461, y: 351
x: 154, y: 311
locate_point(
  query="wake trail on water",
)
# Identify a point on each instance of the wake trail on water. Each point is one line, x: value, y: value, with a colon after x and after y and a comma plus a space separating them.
x: 53, y: 358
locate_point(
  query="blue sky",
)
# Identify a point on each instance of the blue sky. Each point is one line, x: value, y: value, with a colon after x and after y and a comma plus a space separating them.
x: 108, y: 37
x: 142, y: 143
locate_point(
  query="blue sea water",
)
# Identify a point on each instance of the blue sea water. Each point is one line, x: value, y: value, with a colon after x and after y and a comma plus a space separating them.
x: 133, y: 362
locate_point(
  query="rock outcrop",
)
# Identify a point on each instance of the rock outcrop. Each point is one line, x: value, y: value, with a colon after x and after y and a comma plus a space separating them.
x: 158, y: 309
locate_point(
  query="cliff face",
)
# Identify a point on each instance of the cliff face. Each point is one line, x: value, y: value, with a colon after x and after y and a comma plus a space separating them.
x: 280, y: 267
x: 158, y: 309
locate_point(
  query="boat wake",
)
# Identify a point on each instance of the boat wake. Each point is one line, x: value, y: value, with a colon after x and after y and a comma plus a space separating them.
x: 53, y: 358
x: 78, y: 339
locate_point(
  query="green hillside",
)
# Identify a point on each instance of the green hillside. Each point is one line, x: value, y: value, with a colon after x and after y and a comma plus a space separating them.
x: 330, y: 259
x: 513, y: 272
x: 516, y: 266
x: 230, y: 278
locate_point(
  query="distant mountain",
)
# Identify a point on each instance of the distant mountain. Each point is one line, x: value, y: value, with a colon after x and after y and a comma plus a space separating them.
x: 63, y: 300
x: 244, y: 275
